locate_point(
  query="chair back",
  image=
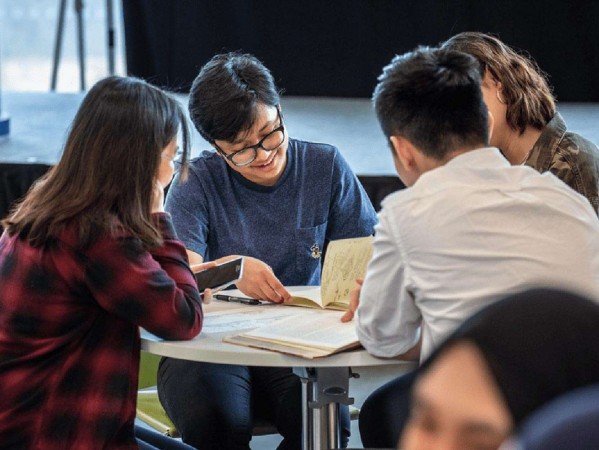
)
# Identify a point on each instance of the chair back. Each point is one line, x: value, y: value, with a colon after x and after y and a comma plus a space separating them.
x: 378, y: 187
x: 571, y: 421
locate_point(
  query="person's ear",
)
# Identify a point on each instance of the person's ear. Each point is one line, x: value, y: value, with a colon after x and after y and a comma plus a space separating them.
x: 498, y: 87
x: 499, y: 93
x: 404, y: 152
x: 494, y: 84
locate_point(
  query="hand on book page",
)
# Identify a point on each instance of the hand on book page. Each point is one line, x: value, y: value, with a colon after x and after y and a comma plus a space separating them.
x: 354, y: 301
x: 260, y: 282
x: 312, y: 334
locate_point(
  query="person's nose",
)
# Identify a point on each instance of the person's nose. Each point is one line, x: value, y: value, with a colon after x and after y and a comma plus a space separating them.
x: 263, y: 155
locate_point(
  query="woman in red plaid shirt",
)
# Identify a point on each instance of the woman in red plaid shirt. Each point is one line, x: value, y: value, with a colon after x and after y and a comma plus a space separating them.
x: 86, y: 258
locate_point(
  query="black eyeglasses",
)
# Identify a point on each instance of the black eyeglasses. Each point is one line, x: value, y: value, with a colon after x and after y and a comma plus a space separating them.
x: 247, y: 155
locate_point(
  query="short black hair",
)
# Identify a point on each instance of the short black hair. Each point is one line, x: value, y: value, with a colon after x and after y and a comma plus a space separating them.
x: 224, y: 96
x: 432, y: 97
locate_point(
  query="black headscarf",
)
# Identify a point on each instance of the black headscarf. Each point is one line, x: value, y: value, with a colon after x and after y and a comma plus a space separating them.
x: 538, y: 344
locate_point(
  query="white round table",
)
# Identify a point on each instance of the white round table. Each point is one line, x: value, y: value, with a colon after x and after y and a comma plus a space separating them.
x: 325, y: 381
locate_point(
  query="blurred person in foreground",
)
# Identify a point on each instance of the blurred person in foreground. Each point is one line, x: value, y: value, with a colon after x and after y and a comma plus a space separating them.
x: 499, y: 367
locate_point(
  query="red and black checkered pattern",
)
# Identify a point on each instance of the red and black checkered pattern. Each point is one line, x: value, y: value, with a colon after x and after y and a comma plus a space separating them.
x: 69, y: 336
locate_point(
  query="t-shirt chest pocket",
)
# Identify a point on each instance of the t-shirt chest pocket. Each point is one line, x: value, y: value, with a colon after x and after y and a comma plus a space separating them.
x: 309, y: 251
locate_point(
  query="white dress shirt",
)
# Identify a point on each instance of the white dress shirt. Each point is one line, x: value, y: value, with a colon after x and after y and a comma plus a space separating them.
x: 464, y: 235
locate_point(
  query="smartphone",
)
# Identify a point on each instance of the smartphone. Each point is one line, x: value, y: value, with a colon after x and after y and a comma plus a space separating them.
x: 220, y: 276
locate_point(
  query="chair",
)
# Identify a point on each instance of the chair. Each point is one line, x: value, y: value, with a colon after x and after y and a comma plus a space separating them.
x: 568, y: 422
x: 149, y: 409
x: 378, y: 187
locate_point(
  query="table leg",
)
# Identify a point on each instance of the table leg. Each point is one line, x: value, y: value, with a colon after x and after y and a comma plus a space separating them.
x: 306, y: 414
x: 323, y: 390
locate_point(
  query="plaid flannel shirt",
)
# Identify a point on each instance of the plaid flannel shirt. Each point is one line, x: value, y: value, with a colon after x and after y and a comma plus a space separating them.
x: 69, y: 336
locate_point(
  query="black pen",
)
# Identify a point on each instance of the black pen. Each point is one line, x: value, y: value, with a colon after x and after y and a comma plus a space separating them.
x: 244, y: 300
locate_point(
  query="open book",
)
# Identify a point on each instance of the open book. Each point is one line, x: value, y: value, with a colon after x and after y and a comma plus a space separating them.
x: 345, y: 260
x: 312, y: 334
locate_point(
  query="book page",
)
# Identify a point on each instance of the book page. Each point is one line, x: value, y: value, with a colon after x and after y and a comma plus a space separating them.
x: 308, y: 296
x: 303, y: 352
x: 245, y: 318
x: 345, y: 260
x: 315, y: 329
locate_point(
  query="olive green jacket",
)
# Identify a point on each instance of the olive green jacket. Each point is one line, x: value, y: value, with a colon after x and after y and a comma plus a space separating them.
x: 570, y: 157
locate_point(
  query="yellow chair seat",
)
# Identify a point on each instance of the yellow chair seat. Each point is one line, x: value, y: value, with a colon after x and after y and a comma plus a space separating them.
x: 150, y: 411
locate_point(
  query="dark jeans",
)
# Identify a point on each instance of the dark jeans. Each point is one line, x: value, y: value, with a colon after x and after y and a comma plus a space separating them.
x: 151, y: 440
x: 212, y: 405
x: 385, y: 413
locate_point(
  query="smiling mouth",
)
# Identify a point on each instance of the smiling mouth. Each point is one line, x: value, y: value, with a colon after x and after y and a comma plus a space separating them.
x: 266, y: 164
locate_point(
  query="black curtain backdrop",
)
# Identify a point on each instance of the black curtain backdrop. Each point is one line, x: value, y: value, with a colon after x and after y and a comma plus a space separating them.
x: 15, y: 181
x: 338, y: 47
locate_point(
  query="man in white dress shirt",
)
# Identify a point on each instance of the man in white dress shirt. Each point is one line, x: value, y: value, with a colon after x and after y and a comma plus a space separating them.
x: 470, y: 228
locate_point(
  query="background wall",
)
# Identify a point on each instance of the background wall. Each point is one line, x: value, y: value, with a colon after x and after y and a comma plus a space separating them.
x: 338, y: 47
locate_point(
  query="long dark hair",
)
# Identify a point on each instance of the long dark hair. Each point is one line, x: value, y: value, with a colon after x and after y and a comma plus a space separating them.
x: 105, y: 177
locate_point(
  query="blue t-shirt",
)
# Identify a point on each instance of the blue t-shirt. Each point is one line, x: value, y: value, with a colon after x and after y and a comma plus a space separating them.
x: 217, y: 212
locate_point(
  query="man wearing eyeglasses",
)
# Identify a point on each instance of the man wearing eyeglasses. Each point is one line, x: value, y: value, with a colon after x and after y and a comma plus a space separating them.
x: 275, y: 200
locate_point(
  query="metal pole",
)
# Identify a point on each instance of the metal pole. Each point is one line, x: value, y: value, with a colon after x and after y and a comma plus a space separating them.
x: 81, y: 42
x: 333, y: 425
x: 58, y: 44
x: 306, y: 414
x: 110, y: 35
x: 323, y: 389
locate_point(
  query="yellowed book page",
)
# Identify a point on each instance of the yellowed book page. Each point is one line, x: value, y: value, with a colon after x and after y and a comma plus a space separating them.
x: 307, y: 296
x: 346, y: 260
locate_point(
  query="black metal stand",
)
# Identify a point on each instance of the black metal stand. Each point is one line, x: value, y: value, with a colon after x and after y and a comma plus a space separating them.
x: 79, y: 5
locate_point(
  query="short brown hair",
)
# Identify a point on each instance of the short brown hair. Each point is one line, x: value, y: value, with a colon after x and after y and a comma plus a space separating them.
x: 530, y: 101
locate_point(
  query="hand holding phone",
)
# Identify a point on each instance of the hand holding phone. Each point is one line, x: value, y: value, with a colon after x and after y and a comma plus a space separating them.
x: 220, y: 276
